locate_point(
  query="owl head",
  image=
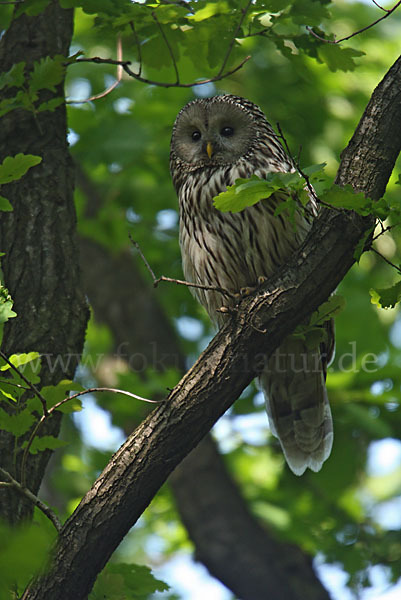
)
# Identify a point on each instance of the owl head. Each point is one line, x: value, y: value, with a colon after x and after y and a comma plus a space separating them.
x: 217, y: 131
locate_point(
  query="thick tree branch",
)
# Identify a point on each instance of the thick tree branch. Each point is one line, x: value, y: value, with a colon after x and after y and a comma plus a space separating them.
x: 228, y: 539
x: 142, y: 464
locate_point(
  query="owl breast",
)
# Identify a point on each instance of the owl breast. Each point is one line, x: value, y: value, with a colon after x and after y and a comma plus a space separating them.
x: 230, y: 250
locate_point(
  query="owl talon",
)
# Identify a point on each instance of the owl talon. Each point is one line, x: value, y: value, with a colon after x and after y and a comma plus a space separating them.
x: 226, y: 310
x: 223, y: 309
x: 246, y: 291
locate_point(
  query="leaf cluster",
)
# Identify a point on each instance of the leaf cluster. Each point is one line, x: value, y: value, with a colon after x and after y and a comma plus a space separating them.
x: 25, y: 85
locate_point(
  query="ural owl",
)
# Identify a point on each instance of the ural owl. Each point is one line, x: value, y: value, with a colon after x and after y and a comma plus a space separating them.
x: 214, y: 142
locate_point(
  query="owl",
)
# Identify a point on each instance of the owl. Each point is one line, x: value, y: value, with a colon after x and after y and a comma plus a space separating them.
x: 214, y: 142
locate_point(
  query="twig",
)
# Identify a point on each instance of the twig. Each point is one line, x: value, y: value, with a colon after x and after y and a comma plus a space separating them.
x: 138, y: 76
x: 212, y: 288
x: 34, y: 499
x: 141, y: 254
x: 231, y: 45
x: 388, y: 12
x: 310, y: 187
x: 28, y: 383
x: 13, y: 384
x: 102, y: 389
x: 385, y: 259
x: 113, y: 85
x: 67, y: 399
x: 157, y: 280
x: 381, y: 7
x: 125, y: 65
x: 169, y: 48
x: 138, y: 45
x: 384, y: 230
x: 304, y: 176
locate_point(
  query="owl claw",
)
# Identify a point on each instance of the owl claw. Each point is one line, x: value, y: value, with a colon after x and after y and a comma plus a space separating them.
x: 247, y: 291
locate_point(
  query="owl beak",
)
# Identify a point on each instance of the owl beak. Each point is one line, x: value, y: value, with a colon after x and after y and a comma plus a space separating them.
x: 209, y: 149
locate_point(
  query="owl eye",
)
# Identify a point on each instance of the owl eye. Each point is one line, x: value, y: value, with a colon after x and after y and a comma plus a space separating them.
x: 227, y: 131
x: 196, y: 136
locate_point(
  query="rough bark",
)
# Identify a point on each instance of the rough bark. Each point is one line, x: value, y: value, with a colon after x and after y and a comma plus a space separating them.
x: 228, y: 540
x: 38, y: 238
x: 142, y: 464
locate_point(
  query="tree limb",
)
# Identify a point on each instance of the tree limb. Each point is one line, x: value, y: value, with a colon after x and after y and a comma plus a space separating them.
x: 155, y: 448
x: 243, y: 554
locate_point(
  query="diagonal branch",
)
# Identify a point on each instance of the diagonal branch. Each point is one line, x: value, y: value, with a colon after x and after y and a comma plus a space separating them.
x: 142, y: 464
x: 24, y: 491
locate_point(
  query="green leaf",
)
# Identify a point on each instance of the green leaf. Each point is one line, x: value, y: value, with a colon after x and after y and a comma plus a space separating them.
x: 55, y: 393
x: 19, y: 360
x: 47, y: 442
x: 314, y: 169
x: 331, y: 308
x: 47, y: 73
x: 14, y: 77
x: 386, y: 297
x: 14, y: 167
x: 5, y: 204
x: 346, y: 198
x: 338, y: 58
x: 361, y: 246
x: 210, y: 10
x: 305, y: 12
x: 23, y: 550
x: 244, y: 193
x: 8, y: 395
x: 17, y: 423
x: 6, y: 304
x: 314, y: 333
x: 120, y: 580
x: 51, y: 105
x: 32, y: 7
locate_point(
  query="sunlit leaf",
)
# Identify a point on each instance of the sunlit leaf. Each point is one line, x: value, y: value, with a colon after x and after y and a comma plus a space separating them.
x: 14, y: 167
x: 46, y: 442
x: 387, y: 297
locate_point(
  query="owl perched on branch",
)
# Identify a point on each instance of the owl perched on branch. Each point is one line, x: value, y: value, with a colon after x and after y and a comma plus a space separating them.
x: 214, y: 142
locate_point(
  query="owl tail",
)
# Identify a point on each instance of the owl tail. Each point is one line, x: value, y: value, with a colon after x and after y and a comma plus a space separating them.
x: 293, y: 383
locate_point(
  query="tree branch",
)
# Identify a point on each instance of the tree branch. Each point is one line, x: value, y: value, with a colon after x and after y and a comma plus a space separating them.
x: 242, y: 553
x: 388, y: 12
x: 142, y: 464
x: 32, y: 498
x: 125, y: 65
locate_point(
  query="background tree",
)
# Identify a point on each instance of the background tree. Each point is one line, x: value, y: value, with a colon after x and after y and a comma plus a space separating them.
x: 141, y: 339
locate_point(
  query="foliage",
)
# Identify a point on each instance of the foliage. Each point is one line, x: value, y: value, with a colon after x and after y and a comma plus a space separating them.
x: 13, y: 168
x: 120, y: 143
x: 126, y: 580
x: 22, y: 553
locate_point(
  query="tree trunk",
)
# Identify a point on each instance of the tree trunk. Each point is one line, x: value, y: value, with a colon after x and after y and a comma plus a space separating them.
x: 38, y: 237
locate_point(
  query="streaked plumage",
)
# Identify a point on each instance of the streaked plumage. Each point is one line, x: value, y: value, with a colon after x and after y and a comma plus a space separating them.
x: 216, y: 141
